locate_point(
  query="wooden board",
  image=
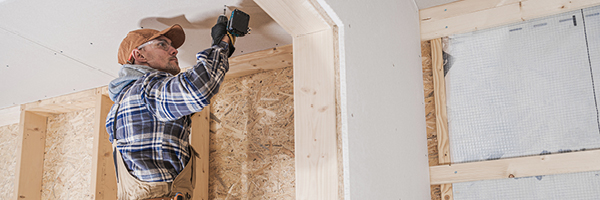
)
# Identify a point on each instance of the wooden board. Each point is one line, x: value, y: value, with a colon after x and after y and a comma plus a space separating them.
x: 581, y: 161
x: 252, y: 137
x: 30, y: 156
x: 470, y: 15
x: 261, y: 61
x: 314, y: 96
x: 68, y: 156
x: 103, y: 177
x: 314, y: 104
x: 200, y: 141
x: 432, y: 144
x: 66, y: 103
x: 297, y: 17
x: 10, y: 115
x: 441, y: 123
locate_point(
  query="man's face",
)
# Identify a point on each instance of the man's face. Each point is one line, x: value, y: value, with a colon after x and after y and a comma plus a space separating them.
x: 161, y: 55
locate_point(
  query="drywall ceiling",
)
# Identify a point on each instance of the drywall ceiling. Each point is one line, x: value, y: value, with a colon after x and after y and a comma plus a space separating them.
x: 52, y: 48
x: 422, y: 4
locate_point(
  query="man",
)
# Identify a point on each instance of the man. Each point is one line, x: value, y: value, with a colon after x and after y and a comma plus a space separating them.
x: 149, y: 124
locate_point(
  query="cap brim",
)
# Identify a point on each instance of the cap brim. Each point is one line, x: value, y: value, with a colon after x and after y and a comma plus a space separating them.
x: 174, y: 33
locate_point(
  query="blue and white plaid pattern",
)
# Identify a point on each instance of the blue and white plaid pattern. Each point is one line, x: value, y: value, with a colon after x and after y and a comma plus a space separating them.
x: 153, y: 120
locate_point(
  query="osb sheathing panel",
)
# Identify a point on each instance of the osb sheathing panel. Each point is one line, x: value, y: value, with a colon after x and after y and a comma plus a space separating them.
x: 430, y: 113
x: 8, y: 157
x: 252, y: 138
x: 68, y: 156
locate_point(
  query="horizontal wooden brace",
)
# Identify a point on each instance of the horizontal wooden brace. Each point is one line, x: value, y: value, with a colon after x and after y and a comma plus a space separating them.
x: 471, y: 15
x: 10, y: 115
x: 562, y: 163
x: 260, y: 61
x: 242, y: 65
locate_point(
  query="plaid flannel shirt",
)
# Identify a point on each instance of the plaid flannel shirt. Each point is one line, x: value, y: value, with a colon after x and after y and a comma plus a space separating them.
x: 153, y: 119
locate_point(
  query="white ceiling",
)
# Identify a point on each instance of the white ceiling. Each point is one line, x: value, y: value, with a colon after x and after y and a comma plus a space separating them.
x: 422, y: 4
x: 52, y: 48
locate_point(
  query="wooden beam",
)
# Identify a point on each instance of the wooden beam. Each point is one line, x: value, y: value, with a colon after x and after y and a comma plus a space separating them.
x: 314, y: 95
x: 297, y: 17
x: 103, y: 179
x: 30, y: 155
x: 314, y: 117
x: 470, y: 15
x: 439, y: 93
x: 581, y: 161
x: 260, y: 61
x: 66, y: 103
x: 10, y: 115
x: 200, y: 141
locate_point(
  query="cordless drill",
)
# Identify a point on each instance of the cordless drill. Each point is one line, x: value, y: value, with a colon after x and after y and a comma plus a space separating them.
x: 238, y: 23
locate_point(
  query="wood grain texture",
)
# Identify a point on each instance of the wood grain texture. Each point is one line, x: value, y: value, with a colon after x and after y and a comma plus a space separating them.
x: 297, y: 17
x: 252, y: 63
x: 470, y: 15
x: 8, y: 156
x: 314, y: 104
x: 314, y: 96
x: 441, y: 122
x: 66, y: 103
x: 432, y: 146
x: 10, y: 115
x: 439, y: 85
x: 252, y: 137
x: 200, y: 141
x: 581, y: 161
x: 30, y: 155
x: 103, y: 182
x: 68, y: 156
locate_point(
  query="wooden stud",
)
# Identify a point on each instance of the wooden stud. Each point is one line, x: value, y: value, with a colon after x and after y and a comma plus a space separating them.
x: 439, y: 92
x: 103, y: 181
x: 314, y: 96
x: 30, y: 152
x: 470, y: 15
x: 581, y: 161
x: 200, y: 141
x: 314, y: 117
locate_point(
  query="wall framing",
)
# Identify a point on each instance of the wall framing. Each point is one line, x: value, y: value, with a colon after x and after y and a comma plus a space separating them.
x: 314, y: 95
x: 317, y: 170
x: 448, y: 19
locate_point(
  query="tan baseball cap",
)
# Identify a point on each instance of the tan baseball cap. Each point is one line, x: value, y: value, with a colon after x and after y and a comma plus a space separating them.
x: 138, y: 37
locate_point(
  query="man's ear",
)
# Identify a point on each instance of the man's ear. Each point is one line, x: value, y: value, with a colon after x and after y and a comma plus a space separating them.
x: 137, y: 55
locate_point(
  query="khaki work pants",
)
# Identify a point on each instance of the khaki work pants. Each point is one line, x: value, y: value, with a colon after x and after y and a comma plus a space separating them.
x: 131, y: 188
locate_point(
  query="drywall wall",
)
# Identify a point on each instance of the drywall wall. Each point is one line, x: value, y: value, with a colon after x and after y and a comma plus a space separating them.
x: 381, y: 80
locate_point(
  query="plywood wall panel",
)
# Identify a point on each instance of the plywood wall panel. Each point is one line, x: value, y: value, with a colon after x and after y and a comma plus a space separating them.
x: 252, y: 138
x: 68, y: 156
x: 432, y: 143
x: 8, y: 159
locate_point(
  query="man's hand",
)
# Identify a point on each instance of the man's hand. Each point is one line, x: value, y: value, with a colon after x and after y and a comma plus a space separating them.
x: 226, y: 39
x: 219, y: 30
